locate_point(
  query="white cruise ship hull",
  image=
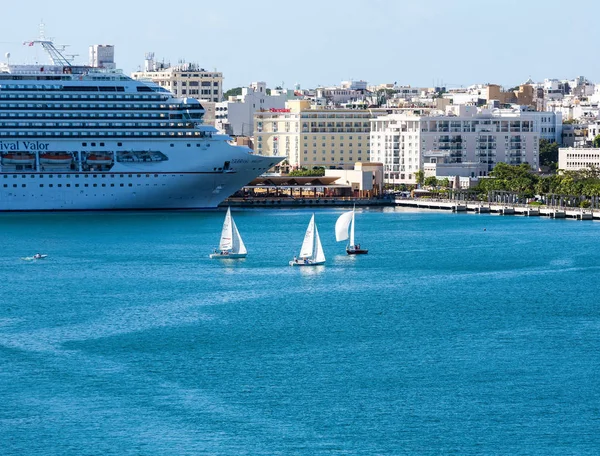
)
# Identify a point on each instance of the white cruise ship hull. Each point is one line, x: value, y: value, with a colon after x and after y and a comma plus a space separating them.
x: 198, y: 176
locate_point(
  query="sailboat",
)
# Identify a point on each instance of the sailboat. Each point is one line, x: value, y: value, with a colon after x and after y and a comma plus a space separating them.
x: 345, y: 221
x: 311, y: 253
x: 231, y: 244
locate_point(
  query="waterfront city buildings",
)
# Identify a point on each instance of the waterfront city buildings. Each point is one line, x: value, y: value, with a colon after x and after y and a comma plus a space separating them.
x: 462, y: 135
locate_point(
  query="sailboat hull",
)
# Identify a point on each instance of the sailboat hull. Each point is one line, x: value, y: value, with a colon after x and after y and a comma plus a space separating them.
x: 351, y: 251
x: 308, y: 263
x: 227, y: 256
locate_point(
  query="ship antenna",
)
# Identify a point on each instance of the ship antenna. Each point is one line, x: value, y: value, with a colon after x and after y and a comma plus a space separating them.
x: 56, y: 57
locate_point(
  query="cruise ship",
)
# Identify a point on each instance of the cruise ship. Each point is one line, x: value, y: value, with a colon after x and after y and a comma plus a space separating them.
x: 89, y: 138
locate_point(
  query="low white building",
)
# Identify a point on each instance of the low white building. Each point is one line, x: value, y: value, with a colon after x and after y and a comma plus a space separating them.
x: 365, y: 177
x: 570, y: 159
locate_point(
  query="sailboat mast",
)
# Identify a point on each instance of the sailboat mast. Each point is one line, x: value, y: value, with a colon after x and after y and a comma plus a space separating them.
x: 352, y: 230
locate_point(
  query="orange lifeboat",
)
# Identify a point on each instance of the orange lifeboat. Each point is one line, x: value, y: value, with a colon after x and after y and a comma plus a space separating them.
x: 56, y: 159
x: 18, y: 159
x: 94, y: 159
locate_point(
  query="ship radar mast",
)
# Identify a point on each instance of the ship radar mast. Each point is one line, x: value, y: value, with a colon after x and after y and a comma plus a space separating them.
x: 55, y: 55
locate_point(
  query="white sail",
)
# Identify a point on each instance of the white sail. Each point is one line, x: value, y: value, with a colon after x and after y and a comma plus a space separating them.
x: 319, y: 254
x: 226, y: 242
x: 342, y: 224
x: 308, y: 244
x: 352, y: 230
x: 238, y: 244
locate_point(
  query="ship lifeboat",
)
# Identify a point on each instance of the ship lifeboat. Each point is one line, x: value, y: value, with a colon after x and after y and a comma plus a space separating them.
x: 56, y: 159
x: 99, y: 159
x: 18, y: 159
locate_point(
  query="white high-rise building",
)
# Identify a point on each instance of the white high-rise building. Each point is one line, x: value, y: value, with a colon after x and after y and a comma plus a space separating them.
x: 464, y: 134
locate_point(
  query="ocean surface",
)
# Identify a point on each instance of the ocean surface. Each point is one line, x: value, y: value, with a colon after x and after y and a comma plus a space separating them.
x: 457, y: 334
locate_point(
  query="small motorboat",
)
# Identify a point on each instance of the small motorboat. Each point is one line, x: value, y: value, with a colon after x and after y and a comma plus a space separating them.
x: 37, y: 256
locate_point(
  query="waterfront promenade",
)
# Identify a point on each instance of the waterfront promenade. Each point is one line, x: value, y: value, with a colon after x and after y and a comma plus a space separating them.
x: 306, y: 201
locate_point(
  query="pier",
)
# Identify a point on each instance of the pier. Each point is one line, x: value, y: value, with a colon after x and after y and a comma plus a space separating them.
x: 526, y: 210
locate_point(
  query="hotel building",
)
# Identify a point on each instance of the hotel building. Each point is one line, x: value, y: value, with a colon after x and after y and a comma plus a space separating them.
x: 330, y: 138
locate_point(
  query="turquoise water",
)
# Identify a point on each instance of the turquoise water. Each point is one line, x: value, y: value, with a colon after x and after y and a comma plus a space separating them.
x: 456, y: 334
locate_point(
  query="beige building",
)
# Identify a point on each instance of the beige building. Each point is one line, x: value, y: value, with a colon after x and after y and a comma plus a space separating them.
x: 525, y: 95
x: 185, y: 80
x: 308, y: 137
x: 366, y: 179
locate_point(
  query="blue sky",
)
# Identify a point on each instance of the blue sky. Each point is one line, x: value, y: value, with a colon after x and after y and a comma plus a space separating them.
x: 310, y: 42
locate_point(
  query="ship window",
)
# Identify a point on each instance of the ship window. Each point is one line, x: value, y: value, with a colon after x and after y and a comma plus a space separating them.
x: 50, y: 185
x: 112, y: 185
x: 76, y: 185
x: 131, y: 185
x: 121, y: 185
x: 189, y: 145
x: 86, y: 185
x: 84, y: 144
x: 104, y: 185
x: 59, y: 185
x: 5, y: 185
x: 101, y: 144
x: 172, y: 145
x: 119, y: 144
x: 60, y: 175
x: 95, y: 185
x: 23, y: 185
x: 50, y: 176
x: 68, y: 185
x: 41, y: 185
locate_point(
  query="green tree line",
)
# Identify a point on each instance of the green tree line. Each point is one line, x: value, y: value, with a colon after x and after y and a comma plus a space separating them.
x: 519, y: 179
